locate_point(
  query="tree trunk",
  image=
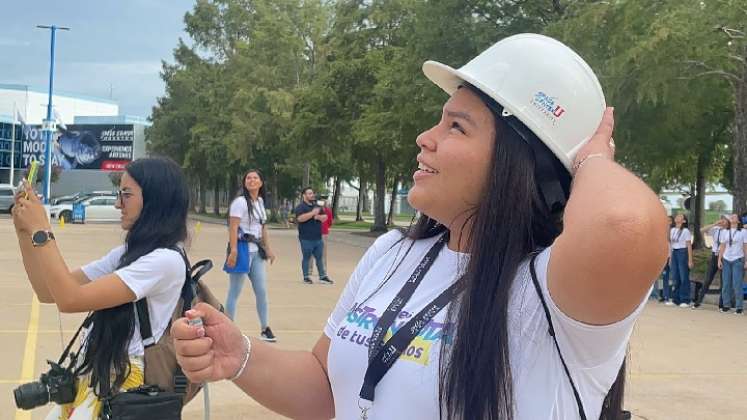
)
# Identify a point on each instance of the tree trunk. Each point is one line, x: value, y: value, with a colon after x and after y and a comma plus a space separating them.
x: 216, y: 199
x: 230, y: 189
x: 392, y: 201
x: 379, y: 213
x: 366, y: 200
x: 697, y: 207
x: 359, y: 208
x: 336, y: 196
x: 740, y: 143
x: 275, y: 199
x: 306, y: 175
x: 194, y: 195
x: 203, y: 198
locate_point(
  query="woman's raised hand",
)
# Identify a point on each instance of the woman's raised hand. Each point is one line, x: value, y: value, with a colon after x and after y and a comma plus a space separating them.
x: 29, y: 214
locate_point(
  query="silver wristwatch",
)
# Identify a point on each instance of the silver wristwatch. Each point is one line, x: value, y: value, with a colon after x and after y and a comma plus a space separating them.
x: 41, y: 237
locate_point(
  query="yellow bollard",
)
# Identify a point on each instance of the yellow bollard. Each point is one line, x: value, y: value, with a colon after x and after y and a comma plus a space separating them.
x: 198, y: 227
x: 62, y: 223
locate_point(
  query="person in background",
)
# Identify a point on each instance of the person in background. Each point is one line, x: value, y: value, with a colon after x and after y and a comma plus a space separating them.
x: 284, y: 213
x: 325, y: 231
x: 249, y: 247
x: 731, y: 260
x: 714, y: 232
x: 665, y: 293
x: 310, y: 217
x: 681, y: 260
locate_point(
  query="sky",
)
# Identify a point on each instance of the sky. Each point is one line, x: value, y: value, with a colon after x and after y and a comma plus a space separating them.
x: 114, y: 48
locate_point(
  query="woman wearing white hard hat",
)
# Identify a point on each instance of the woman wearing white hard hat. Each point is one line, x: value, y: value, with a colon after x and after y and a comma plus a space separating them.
x: 511, y: 298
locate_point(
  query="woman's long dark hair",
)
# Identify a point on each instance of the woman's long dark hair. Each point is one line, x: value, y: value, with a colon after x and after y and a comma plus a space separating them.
x: 245, y: 192
x: 162, y: 224
x: 508, y: 224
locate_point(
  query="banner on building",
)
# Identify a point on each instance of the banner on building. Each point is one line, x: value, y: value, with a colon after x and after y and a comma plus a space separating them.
x: 82, y: 146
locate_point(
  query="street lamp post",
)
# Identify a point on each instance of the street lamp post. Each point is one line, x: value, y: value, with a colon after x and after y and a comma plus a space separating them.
x: 49, y: 125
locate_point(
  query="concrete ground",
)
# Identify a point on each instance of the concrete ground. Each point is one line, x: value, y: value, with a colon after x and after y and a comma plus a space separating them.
x: 684, y: 364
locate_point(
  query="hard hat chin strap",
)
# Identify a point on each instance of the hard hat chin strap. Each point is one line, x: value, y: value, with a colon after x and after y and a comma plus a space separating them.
x: 553, y: 180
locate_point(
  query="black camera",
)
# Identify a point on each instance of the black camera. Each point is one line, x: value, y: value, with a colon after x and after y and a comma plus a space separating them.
x: 57, y: 385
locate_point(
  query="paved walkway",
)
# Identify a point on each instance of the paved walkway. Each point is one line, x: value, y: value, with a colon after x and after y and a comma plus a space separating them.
x: 684, y: 364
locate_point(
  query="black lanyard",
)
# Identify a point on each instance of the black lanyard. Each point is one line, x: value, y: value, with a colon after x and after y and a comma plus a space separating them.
x: 672, y: 239
x: 383, y: 355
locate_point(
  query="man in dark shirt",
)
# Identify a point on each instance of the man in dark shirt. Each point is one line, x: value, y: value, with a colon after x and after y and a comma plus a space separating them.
x: 310, y: 217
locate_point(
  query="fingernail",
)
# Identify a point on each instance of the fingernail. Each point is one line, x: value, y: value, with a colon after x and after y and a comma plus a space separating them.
x: 201, y: 332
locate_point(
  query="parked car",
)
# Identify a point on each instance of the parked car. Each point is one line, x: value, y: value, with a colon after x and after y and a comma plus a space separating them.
x: 78, y: 196
x: 97, y: 208
x: 7, y: 195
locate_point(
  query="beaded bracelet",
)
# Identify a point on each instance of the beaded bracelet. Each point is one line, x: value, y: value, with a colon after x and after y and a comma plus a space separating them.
x: 246, y: 359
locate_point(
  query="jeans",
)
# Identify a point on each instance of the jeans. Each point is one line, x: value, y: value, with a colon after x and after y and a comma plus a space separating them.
x: 710, y: 274
x: 732, y: 276
x: 258, y: 276
x: 324, y: 255
x: 680, y: 276
x: 315, y: 248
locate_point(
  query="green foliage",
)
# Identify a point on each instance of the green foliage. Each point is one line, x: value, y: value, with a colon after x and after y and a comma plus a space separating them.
x: 278, y: 84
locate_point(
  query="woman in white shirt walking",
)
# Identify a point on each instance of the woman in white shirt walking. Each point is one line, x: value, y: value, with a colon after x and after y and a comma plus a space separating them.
x: 731, y: 260
x: 489, y: 307
x: 681, y: 260
x: 249, y: 248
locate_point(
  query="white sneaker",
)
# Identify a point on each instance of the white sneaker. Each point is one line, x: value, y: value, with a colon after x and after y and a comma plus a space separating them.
x: 669, y: 303
x: 684, y: 305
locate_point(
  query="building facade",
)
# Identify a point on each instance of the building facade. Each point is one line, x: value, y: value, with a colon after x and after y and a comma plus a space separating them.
x: 91, y: 140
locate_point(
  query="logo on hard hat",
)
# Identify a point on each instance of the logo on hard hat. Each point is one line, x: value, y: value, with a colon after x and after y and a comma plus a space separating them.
x: 546, y: 104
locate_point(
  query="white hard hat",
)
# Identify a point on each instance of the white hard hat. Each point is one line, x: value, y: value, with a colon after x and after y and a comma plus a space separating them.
x: 538, y: 80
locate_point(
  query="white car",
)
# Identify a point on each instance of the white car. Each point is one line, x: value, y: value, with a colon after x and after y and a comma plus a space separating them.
x: 7, y: 197
x: 98, y: 209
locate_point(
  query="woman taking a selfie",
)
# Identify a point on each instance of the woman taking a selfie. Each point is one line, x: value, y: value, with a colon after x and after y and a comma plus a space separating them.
x: 153, y: 198
x: 511, y: 298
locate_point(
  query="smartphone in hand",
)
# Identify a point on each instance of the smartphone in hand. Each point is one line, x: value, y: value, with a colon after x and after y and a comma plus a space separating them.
x: 31, y: 178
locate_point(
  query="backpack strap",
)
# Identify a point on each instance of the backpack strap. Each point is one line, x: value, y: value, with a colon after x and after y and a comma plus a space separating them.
x: 551, y: 331
x: 194, y: 273
x: 141, y: 306
x: 143, y: 316
x: 189, y: 292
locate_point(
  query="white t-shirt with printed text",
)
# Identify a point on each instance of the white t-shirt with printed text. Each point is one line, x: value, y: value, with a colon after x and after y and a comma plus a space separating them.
x: 410, y: 389
x: 158, y: 276
x: 240, y: 209
x: 733, y: 241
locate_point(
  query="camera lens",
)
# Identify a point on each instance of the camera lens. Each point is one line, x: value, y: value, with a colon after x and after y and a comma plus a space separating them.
x: 31, y: 395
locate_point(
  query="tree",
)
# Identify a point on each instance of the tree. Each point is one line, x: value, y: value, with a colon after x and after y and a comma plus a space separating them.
x: 672, y: 125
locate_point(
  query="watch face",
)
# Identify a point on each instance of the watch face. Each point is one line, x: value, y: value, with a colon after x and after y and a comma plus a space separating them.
x: 39, y: 237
